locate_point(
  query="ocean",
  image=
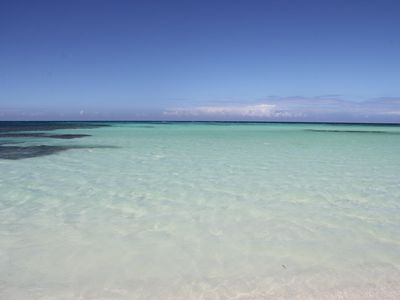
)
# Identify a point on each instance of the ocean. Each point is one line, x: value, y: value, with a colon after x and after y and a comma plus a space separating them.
x: 199, y: 210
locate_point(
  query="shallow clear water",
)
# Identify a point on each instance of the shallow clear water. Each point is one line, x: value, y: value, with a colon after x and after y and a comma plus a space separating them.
x: 204, y: 211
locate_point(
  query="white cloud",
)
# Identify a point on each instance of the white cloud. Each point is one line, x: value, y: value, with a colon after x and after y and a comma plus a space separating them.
x: 295, y: 108
x: 392, y: 113
x: 258, y: 110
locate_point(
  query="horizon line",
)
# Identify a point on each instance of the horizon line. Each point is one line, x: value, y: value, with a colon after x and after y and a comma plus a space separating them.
x: 209, y: 121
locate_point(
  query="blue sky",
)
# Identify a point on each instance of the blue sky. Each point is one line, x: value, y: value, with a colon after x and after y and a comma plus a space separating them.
x: 189, y: 60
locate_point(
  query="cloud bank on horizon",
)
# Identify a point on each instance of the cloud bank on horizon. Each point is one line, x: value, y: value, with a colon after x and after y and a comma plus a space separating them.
x: 296, y: 108
x: 257, y: 110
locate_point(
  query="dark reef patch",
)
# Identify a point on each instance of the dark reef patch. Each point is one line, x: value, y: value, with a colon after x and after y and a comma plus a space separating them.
x: 67, y: 136
x: 12, y: 134
x: 8, y: 126
x: 42, y: 135
x: 352, y: 131
x: 7, y: 142
x: 21, y: 135
x: 17, y: 152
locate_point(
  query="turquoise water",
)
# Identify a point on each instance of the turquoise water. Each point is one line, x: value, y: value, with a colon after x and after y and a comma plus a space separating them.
x: 203, y: 211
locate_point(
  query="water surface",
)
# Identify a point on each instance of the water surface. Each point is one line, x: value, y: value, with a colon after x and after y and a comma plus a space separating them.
x: 199, y: 211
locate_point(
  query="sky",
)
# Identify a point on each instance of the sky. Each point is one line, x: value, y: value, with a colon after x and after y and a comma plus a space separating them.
x: 281, y: 60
